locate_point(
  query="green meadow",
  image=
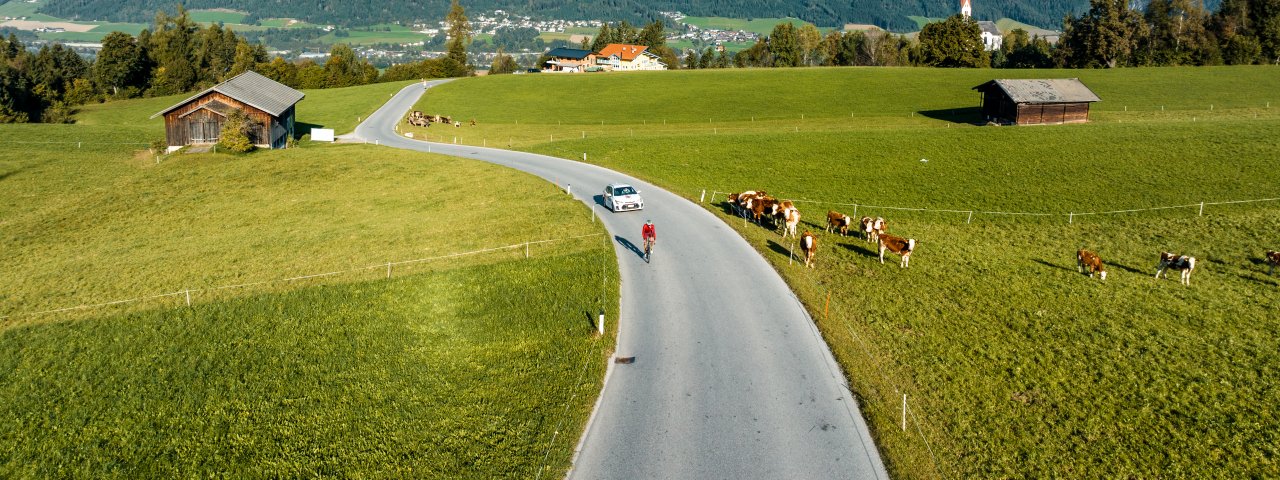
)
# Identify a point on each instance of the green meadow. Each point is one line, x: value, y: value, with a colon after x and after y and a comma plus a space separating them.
x: 762, y: 26
x: 1013, y: 363
x: 299, y: 351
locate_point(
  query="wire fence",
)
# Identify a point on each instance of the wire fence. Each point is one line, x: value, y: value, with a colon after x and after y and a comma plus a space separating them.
x: 187, y: 294
x: 969, y: 214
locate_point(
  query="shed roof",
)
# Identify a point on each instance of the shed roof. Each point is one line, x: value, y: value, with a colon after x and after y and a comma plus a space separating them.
x: 253, y: 89
x: 570, y: 53
x: 1052, y: 90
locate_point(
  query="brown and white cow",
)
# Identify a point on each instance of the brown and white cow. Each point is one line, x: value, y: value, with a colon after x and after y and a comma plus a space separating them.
x: 1273, y: 259
x: 1089, y: 262
x: 743, y: 202
x: 808, y: 245
x: 898, y: 245
x: 838, y: 221
x: 791, y: 218
x: 1182, y: 263
x: 872, y: 228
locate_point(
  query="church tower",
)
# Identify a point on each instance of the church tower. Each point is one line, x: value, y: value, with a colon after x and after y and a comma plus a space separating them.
x: 966, y: 9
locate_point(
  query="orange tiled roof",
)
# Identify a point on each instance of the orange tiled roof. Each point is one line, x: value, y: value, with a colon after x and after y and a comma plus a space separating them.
x: 623, y: 51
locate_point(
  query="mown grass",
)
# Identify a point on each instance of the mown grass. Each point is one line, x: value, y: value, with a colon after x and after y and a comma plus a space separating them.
x: 474, y: 366
x: 1014, y: 364
x: 219, y: 16
x: 762, y: 26
x: 472, y: 372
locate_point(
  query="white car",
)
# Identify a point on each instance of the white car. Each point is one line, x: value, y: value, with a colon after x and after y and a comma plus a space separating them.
x: 621, y: 197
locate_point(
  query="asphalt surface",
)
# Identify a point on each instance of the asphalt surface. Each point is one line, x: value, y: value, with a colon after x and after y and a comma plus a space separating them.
x: 731, y: 378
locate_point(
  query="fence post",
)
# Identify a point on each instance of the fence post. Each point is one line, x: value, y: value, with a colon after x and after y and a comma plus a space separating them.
x: 904, y: 412
x: 1201, y: 209
x: 188, y: 297
x: 593, y: 214
x: 388, y: 269
x: 526, y: 250
x: 600, y: 324
x: 703, y: 197
x: 1071, y: 217
x: 790, y: 253
x: 970, y: 220
x: 584, y: 156
x: 855, y: 209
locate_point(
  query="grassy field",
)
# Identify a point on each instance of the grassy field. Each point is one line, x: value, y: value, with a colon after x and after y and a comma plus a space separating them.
x: 219, y: 15
x: 1014, y: 364
x: 455, y: 366
x: 762, y: 26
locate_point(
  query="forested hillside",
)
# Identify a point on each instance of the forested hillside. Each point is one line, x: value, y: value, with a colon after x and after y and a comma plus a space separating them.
x: 1045, y: 13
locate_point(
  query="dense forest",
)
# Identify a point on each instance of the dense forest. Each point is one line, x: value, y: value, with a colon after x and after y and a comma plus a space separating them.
x: 892, y: 15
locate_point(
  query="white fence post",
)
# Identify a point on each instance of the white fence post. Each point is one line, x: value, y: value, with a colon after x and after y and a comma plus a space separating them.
x: 188, y: 297
x: 388, y: 269
x: 526, y: 249
x: 1071, y: 217
x: 904, y: 412
x: 1201, y: 209
x: 970, y: 220
x: 600, y: 324
x: 703, y: 197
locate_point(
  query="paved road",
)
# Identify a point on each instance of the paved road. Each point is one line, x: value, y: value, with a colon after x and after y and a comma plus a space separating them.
x: 731, y: 378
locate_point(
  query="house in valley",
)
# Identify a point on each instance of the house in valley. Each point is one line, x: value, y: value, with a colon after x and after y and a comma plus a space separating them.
x: 564, y: 59
x: 623, y: 57
x: 1036, y: 102
x: 267, y: 103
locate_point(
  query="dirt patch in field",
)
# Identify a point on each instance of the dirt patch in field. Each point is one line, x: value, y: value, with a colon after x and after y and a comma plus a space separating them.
x: 32, y: 25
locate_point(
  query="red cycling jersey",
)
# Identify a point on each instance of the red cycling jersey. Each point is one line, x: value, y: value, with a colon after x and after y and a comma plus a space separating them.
x: 649, y: 232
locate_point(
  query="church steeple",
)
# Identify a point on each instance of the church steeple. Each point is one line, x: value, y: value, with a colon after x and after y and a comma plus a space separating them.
x: 966, y: 9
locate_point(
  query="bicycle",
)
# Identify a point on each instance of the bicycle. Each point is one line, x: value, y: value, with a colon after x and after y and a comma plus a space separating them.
x: 648, y: 249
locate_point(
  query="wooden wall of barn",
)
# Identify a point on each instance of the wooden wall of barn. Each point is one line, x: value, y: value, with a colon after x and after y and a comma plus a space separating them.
x: 1052, y: 113
x: 178, y: 130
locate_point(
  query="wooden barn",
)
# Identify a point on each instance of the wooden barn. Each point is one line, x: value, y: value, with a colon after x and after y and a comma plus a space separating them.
x: 1036, y: 102
x: 198, y: 120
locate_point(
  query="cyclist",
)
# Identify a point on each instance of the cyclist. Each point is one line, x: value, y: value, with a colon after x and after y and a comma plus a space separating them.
x: 650, y: 235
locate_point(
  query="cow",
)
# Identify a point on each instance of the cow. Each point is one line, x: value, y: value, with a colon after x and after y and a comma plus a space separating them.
x: 1273, y: 259
x: 838, y: 221
x: 808, y: 244
x: 898, y: 245
x: 791, y: 219
x: 741, y: 201
x: 872, y: 228
x: 473, y: 122
x: 1181, y: 263
x: 1090, y: 261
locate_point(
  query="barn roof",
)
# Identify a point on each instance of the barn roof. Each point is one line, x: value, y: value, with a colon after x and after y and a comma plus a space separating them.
x: 1053, y: 90
x: 253, y: 89
x: 570, y: 53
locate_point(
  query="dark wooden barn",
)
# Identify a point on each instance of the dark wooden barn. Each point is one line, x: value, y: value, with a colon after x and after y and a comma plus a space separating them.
x: 1036, y: 102
x: 269, y: 104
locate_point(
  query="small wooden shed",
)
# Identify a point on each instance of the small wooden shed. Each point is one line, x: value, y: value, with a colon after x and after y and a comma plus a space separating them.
x: 199, y: 119
x: 1036, y: 102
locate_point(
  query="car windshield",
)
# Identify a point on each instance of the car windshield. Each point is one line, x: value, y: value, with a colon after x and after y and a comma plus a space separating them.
x: 624, y: 191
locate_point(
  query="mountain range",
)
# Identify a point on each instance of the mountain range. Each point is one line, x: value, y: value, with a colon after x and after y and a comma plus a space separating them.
x: 890, y: 14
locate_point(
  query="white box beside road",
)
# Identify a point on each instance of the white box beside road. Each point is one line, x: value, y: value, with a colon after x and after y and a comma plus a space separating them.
x: 322, y: 134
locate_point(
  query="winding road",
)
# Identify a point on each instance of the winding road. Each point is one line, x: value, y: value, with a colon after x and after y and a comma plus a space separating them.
x: 731, y: 378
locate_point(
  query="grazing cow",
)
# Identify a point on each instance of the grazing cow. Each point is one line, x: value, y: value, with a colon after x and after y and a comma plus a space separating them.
x: 838, y: 221
x: 473, y: 122
x: 1181, y: 263
x: 741, y: 201
x: 791, y: 219
x: 808, y: 244
x: 1273, y: 259
x: 445, y: 120
x: 1090, y: 261
x: 872, y: 228
x: 898, y: 245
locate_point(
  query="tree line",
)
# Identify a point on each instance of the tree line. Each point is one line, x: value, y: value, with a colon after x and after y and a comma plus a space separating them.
x: 1112, y: 33
x: 177, y: 55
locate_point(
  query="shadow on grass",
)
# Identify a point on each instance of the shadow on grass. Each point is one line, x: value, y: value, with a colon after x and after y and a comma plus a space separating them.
x: 860, y: 249
x: 1054, y: 265
x: 969, y: 115
x: 591, y: 319
x: 779, y: 248
x: 303, y: 128
x: 1132, y: 270
x: 628, y: 245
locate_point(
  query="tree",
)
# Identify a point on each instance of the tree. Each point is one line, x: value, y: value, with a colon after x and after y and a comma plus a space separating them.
x: 171, y: 45
x: 954, y: 42
x: 691, y: 59
x: 120, y: 68
x: 15, y: 95
x: 652, y: 35
x: 235, y: 133
x: 603, y: 38
x: 459, y: 34
x: 503, y: 63
x: 810, y: 39
x: 1177, y: 35
x: 784, y: 46
x: 1106, y: 35
x: 247, y: 57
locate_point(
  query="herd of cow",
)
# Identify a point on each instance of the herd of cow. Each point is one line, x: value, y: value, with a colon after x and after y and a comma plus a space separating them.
x: 418, y: 119
x: 759, y: 206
